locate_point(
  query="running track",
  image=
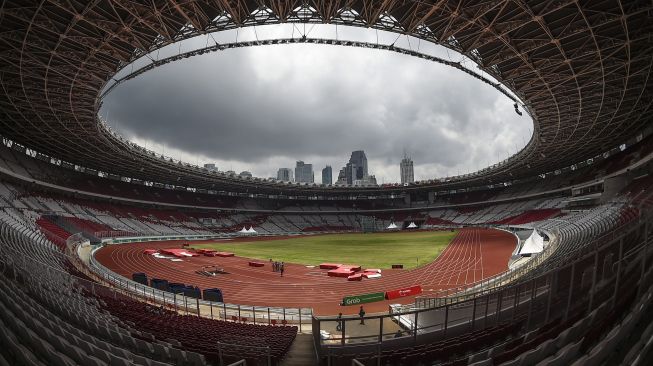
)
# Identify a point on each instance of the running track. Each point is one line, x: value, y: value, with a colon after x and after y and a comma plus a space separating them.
x: 474, y: 254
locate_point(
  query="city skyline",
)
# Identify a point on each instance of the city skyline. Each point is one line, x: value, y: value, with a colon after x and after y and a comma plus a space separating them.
x: 354, y: 172
x: 452, y: 134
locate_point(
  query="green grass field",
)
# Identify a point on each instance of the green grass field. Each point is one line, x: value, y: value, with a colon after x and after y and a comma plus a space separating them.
x: 367, y: 250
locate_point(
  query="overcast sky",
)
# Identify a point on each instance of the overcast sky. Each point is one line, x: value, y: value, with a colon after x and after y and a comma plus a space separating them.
x: 262, y: 108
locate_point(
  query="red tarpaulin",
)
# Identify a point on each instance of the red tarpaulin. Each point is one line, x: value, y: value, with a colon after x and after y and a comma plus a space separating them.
x: 329, y: 265
x: 180, y: 253
x: 224, y: 254
x: 355, y: 277
x: 340, y: 272
x: 351, y: 267
x: 403, y: 292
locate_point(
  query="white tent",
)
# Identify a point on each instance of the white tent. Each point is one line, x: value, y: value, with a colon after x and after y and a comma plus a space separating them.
x: 251, y: 230
x: 534, y: 244
x: 243, y: 231
x: 411, y: 225
x: 392, y: 226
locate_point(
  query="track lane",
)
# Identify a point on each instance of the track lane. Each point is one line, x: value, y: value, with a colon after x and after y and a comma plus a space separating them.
x: 475, y: 253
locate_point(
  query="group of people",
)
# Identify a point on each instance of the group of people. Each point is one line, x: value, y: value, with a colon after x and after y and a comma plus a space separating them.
x: 277, y: 267
x: 361, y: 315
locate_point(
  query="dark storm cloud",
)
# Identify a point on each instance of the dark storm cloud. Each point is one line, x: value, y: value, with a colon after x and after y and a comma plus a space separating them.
x: 263, y: 108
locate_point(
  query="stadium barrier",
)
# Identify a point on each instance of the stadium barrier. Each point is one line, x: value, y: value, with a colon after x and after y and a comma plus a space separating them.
x: 79, y: 253
x: 490, y: 284
x: 132, y: 238
x: 214, y: 310
x: 456, y: 294
x: 59, y: 274
x: 584, y: 279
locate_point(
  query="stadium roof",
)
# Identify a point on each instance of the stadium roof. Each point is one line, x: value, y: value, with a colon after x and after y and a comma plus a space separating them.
x: 582, y: 68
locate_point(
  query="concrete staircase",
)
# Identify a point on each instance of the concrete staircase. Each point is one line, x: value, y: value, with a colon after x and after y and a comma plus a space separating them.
x: 301, y: 353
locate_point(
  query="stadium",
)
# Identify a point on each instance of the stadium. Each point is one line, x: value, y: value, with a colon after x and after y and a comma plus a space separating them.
x: 112, y: 254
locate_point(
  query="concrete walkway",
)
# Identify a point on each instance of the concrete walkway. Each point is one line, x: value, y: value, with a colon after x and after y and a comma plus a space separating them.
x: 301, y: 353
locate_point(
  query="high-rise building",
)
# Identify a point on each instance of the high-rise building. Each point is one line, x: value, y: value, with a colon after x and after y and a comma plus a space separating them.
x: 357, y: 166
x: 211, y: 167
x: 342, y: 178
x: 327, y: 175
x: 285, y: 175
x: 304, y: 173
x: 406, y: 170
x: 355, y: 172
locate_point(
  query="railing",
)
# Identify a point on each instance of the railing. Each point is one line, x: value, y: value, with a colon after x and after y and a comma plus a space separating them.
x: 223, y: 347
x: 133, y: 238
x: 113, y: 234
x: 239, y: 363
x: 584, y: 279
x: 301, y: 317
x: 480, y: 288
x: 37, y: 267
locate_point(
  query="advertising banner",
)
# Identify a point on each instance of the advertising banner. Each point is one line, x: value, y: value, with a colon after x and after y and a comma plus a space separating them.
x: 362, y: 299
x: 403, y: 292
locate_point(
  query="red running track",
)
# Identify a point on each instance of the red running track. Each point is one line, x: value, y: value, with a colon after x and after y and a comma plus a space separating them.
x: 474, y: 254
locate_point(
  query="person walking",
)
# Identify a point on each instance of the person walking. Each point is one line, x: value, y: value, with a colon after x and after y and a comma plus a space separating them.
x: 281, y: 269
x: 339, y: 325
x: 361, y: 313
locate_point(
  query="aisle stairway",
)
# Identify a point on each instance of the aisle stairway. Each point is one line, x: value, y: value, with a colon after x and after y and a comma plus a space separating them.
x: 301, y: 353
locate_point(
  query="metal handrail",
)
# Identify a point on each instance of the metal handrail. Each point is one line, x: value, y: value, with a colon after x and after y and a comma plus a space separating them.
x: 301, y: 315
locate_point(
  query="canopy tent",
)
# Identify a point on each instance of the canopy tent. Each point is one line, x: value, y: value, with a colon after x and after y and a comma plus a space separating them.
x: 534, y: 244
x: 392, y: 226
x: 243, y: 231
x: 411, y: 225
x: 251, y: 230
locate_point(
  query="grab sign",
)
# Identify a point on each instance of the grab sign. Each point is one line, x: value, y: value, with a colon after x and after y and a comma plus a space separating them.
x: 361, y: 299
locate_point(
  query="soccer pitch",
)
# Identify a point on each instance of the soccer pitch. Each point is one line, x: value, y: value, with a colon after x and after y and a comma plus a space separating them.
x: 377, y: 250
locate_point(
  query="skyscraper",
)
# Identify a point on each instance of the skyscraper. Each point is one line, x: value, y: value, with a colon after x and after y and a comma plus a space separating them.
x: 285, y: 175
x: 211, y: 167
x: 342, y: 178
x: 356, y: 168
x: 304, y: 173
x: 327, y: 175
x: 358, y: 162
x: 355, y: 171
x: 406, y: 170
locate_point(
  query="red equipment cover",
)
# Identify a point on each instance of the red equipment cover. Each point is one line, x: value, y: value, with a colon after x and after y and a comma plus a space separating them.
x: 355, y: 277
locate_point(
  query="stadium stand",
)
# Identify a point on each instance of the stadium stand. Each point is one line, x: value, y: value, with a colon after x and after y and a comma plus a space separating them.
x: 584, y: 181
